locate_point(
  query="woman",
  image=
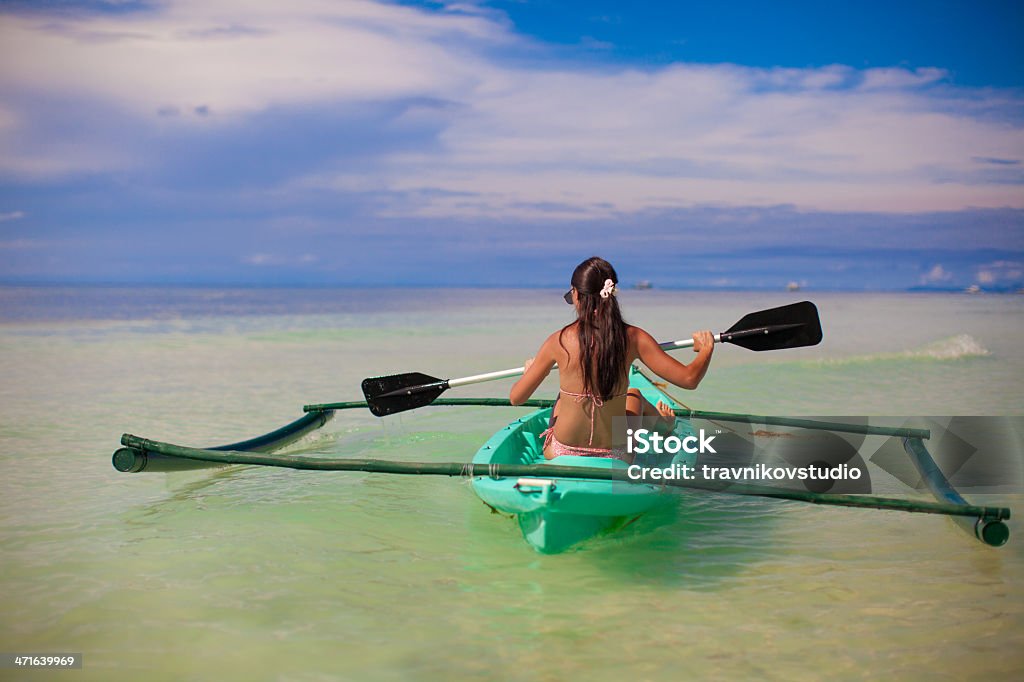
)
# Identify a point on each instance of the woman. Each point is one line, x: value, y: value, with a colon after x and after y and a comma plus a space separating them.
x: 593, y: 355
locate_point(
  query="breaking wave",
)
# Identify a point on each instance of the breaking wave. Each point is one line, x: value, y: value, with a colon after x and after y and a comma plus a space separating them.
x: 956, y: 347
x: 952, y: 348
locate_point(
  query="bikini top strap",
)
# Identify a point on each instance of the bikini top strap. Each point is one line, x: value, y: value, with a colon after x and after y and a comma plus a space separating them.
x: 591, y: 395
x: 595, y: 403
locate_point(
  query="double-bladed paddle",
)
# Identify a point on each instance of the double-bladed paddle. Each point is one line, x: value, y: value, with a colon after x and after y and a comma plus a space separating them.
x: 789, y: 326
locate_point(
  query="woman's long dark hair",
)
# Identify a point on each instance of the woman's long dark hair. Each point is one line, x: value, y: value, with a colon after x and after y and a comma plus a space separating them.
x: 600, y: 327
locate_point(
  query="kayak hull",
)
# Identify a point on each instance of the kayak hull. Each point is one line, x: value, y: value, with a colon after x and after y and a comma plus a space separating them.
x: 555, y: 514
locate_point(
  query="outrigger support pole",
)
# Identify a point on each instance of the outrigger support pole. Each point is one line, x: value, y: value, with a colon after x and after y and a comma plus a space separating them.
x: 133, y: 460
x: 302, y: 462
x: 989, y: 529
x: 899, y: 432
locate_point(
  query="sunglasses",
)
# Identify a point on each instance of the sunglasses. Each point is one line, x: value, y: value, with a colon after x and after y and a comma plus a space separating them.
x: 568, y: 297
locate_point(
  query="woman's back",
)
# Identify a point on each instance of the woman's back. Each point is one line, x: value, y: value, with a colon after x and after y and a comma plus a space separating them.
x: 585, y: 418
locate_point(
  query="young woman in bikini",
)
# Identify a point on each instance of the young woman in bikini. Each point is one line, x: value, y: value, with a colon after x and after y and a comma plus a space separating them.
x: 593, y: 355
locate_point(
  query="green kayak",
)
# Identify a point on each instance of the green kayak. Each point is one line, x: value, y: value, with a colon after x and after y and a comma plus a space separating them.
x: 556, y: 513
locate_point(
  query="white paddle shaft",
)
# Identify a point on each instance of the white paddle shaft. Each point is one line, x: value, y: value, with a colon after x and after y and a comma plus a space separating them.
x: 490, y: 376
x: 685, y: 343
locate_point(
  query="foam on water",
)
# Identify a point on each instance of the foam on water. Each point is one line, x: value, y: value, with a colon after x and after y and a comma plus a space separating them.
x: 952, y: 348
x: 958, y: 347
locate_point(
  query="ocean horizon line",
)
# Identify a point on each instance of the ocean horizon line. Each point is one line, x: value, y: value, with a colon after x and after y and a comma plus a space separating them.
x: 57, y: 284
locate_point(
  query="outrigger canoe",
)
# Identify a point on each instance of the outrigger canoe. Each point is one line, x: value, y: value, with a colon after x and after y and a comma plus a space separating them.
x: 564, y: 501
x: 556, y: 513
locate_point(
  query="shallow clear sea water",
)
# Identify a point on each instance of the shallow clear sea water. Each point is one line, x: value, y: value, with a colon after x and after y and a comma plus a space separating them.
x: 249, y: 573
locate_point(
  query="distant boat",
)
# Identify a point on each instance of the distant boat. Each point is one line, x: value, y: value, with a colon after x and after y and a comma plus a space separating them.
x: 643, y: 284
x: 973, y: 289
x: 793, y: 286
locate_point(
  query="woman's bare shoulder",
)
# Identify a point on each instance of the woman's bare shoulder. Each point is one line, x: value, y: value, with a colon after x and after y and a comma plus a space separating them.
x: 565, y: 333
x: 636, y: 333
x: 640, y: 340
x: 557, y: 341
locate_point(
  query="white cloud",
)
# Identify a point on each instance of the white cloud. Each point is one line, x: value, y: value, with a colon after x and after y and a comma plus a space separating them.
x: 875, y: 79
x: 1000, y: 272
x: 277, y: 260
x: 26, y: 244
x: 936, y: 275
x: 12, y: 215
x: 258, y: 259
x: 233, y: 56
x: 535, y: 142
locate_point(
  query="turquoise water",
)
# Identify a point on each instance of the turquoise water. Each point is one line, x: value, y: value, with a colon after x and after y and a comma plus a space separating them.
x: 249, y: 573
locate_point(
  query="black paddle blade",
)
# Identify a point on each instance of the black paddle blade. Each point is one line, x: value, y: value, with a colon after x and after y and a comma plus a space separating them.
x: 789, y: 326
x: 401, y: 392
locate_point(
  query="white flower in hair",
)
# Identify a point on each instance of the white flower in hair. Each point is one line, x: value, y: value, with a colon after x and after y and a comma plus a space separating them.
x: 608, y: 289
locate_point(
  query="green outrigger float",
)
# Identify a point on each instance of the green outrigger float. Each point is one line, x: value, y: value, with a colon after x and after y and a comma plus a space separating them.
x: 564, y: 501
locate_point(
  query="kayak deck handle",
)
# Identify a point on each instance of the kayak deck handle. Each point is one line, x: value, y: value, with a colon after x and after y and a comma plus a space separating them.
x: 544, y: 487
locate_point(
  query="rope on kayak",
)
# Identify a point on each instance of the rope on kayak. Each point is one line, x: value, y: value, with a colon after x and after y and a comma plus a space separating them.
x: 493, y: 470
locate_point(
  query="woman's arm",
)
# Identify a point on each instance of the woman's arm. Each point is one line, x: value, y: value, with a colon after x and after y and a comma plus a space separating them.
x: 537, y: 370
x: 670, y: 369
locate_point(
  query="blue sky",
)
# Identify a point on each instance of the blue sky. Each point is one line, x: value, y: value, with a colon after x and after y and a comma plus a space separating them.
x: 709, y: 145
